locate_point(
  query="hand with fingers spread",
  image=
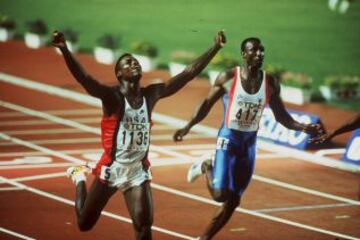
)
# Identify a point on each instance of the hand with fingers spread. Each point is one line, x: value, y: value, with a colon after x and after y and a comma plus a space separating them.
x: 351, y: 125
x: 58, y: 39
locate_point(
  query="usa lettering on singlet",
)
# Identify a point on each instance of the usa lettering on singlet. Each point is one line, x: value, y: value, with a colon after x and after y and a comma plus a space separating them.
x: 133, y: 134
x: 244, y: 110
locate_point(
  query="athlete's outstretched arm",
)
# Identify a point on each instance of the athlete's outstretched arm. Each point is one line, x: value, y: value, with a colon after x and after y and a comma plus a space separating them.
x: 92, y: 86
x: 205, y: 106
x: 192, y: 70
x: 353, y: 124
x: 282, y: 116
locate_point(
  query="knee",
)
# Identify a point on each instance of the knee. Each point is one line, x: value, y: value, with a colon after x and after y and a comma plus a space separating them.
x: 143, y: 224
x: 233, y: 201
x: 220, y: 195
x: 85, y: 226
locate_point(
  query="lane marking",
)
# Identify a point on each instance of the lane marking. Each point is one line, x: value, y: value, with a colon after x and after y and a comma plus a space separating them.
x: 173, y: 153
x: 324, y: 152
x: 49, y: 117
x: 65, y: 112
x: 27, y: 160
x: 95, y: 140
x: 305, y: 190
x: 205, y: 200
x: 5, y: 189
x: 15, y: 234
x: 297, y: 208
x: 39, y: 148
x: 45, y: 122
x: 176, y: 122
x: 251, y: 212
x: 42, y: 131
x: 105, y: 213
x: 51, y: 165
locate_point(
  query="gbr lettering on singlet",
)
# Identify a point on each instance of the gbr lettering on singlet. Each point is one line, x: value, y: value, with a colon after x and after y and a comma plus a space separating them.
x: 272, y: 130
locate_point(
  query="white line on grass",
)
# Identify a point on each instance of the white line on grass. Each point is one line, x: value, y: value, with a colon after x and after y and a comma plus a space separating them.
x: 71, y: 203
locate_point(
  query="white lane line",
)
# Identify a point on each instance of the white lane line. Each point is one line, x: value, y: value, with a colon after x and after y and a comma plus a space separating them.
x: 27, y: 160
x: 5, y: 189
x: 72, y: 151
x: 304, y: 190
x: 94, y: 140
x: 71, y: 203
x: 301, y: 208
x: 186, y: 157
x: 52, y: 165
x: 15, y: 234
x: 65, y: 112
x: 42, y: 131
x: 49, y: 117
x: 45, y: 122
x: 38, y: 177
x: 205, y: 200
x: 165, y: 119
x: 251, y: 212
x: 176, y: 122
x: 59, y: 141
x: 40, y: 148
x: 189, y: 147
x: 324, y: 152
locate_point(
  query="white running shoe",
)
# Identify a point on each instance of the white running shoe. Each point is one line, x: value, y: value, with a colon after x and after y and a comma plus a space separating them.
x: 195, y: 170
x: 77, y: 173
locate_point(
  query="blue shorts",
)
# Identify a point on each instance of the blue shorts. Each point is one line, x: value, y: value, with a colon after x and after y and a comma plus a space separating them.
x: 234, y: 160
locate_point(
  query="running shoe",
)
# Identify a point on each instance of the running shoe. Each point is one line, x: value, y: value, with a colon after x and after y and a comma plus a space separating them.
x: 77, y: 173
x: 195, y: 170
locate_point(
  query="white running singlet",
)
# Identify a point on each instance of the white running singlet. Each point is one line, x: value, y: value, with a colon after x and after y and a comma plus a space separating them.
x: 133, y: 134
x: 244, y: 110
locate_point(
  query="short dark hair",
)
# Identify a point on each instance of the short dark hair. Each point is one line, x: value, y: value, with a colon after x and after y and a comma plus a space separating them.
x: 250, y: 39
x: 119, y: 59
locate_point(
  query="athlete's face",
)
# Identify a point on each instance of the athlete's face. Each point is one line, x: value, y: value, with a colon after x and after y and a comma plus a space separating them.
x: 253, y: 53
x: 129, y: 69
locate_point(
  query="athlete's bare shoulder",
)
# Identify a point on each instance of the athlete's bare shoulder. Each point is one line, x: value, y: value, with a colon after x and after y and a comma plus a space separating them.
x: 224, y: 77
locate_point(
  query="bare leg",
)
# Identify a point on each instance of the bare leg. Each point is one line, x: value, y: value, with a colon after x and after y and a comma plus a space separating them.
x: 139, y: 203
x: 221, y: 217
x: 88, y: 205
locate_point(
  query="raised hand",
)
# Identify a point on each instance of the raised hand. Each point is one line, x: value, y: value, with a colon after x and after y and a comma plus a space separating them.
x: 179, y: 134
x: 220, y: 39
x: 58, y: 39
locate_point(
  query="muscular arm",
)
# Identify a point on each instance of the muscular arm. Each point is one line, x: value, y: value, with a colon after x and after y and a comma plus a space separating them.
x: 205, y: 106
x: 280, y: 113
x: 92, y: 86
x: 191, y: 71
x: 351, y: 125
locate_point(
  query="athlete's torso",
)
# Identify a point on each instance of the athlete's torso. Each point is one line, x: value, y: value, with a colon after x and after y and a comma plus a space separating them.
x: 243, y: 110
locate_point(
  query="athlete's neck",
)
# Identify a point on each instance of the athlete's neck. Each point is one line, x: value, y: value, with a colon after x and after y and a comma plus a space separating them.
x: 248, y: 72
